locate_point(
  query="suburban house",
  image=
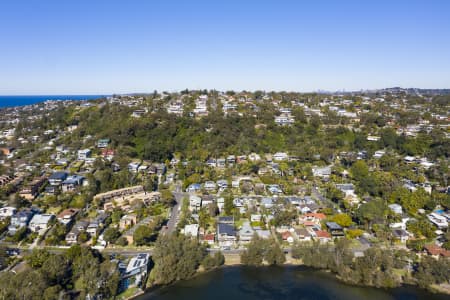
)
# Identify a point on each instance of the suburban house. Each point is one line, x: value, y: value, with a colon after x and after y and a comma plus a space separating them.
x: 103, y: 143
x: 67, y: 216
x: 57, y: 178
x: 211, y: 163
x: 401, y: 235
x: 40, y: 222
x: 284, y: 119
x: 191, y: 230
x: 96, y: 224
x: 323, y: 172
x: 72, y: 183
x: 438, y: 220
x: 303, y: 235
x: 7, y: 211
x: 108, y: 153
x: 226, y: 235
x: 208, y: 200
x: 210, y: 185
x: 72, y: 236
x: 396, y: 208
x: 84, y: 154
x: 311, y: 219
x: 267, y: 202
x: 246, y: 232
x: 347, y: 188
x: 287, y: 236
x: 136, y: 271
x: 195, y: 187
x: 280, y: 156
x: 322, y: 236
x: 134, y: 167
x: 436, y: 251
x: 31, y: 190
x: 195, y: 202
x: 20, y: 219
x: 335, y: 229
x: 209, y: 239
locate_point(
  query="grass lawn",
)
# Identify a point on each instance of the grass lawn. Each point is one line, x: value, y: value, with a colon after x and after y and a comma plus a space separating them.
x: 54, y: 210
x: 128, y: 293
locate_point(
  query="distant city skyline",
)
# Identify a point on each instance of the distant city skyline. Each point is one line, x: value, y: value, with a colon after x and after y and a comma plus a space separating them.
x: 115, y: 47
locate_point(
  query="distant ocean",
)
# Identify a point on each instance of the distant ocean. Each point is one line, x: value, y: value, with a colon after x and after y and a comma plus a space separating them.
x: 8, y: 101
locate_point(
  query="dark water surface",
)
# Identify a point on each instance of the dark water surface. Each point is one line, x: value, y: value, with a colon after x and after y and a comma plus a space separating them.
x: 236, y: 283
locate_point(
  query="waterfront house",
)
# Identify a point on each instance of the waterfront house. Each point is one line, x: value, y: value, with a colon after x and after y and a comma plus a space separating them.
x: 246, y: 232
x: 136, y: 271
x: 226, y: 235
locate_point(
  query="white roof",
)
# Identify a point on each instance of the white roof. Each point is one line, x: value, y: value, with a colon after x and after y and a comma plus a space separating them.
x: 41, y: 219
x: 191, y: 229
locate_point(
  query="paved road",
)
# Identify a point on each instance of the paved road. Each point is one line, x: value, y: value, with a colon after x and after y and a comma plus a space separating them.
x: 172, y: 223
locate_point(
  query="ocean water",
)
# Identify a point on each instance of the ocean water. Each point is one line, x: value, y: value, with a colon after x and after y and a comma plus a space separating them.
x: 8, y: 101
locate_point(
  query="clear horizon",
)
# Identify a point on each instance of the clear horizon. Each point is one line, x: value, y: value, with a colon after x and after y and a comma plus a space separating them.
x: 111, y: 47
x: 237, y: 91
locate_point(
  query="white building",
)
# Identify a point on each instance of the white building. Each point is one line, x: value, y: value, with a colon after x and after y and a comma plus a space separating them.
x: 396, y: 208
x: 280, y: 156
x: 40, y: 222
x: 7, y: 211
x: 438, y: 220
x: 191, y: 230
x: 84, y: 154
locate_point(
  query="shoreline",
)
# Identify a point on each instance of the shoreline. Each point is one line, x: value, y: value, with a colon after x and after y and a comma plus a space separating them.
x: 443, y: 289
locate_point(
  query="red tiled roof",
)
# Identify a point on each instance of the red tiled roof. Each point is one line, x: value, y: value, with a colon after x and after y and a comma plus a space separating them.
x: 434, y: 249
x: 320, y: 216
x: 322, y: 234
x: 285, y: 235
x: 208, y: 237
x: 309, y: 223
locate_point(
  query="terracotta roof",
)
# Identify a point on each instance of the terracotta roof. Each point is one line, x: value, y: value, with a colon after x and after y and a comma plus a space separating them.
x: 322, y: 234
x: 285, y: 235
x: 309, y: 223
x: 434, y: 249
x: 208, y: 237
x: 321, y: 216
x: 68, y: 212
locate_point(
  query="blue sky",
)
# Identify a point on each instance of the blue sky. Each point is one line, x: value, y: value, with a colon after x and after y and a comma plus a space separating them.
x: 85, y: 47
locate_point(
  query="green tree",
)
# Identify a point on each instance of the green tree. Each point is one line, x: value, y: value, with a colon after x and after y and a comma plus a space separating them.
x: 143, y: 235
x: 343, y: 220
x: 175, y: 258
x: 111, y: 234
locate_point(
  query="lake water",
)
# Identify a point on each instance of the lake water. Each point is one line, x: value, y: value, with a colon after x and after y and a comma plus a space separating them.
x: 8, y: 101
x: 236, y: 283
